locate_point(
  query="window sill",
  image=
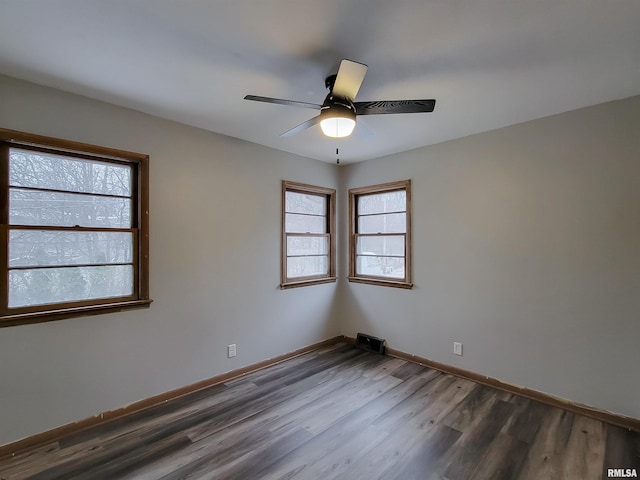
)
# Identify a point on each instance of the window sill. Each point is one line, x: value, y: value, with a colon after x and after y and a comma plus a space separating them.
x: 306, y: 283
x: 381, y: 282
x: 11, y: 320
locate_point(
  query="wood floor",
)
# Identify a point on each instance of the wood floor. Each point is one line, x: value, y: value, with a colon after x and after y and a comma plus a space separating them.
x: 339, y: 413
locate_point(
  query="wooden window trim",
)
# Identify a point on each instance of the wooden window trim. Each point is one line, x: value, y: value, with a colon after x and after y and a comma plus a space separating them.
x: 354, y: 193
x: 140, y: 229
x: 285, y: 282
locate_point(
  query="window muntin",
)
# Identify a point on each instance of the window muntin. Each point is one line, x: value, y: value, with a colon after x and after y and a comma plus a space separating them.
x: 76, y: 229
x: 308, y: 244
x: 380, y: 234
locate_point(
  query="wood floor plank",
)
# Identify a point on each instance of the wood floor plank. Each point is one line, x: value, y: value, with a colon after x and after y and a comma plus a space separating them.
x: 29, y: 460
x: 332, y: 411
x: 622, y: 450
x: 503, y: 459
x: 420, y: 417
x: 472, y: 408
x: 338, y: 463
x: 421, y: 459
x: 585, y: 450
x: 242, y: 429
x: 267, y: 395
x: 250, y: 463
x: 275, y: 408
x: 408, y: 370
x: 338, y: 412
x: 269, y: 418
x: 291, y: 373
x: 525, y: 422
x: 334, y: 437
x: 417, y: 402
x: 472, y: 445
x: 547, y: 451
x: 385, y: 368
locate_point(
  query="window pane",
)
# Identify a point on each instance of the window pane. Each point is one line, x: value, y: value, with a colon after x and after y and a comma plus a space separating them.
x: 59, y: 172
x: 54, y: 285
x: 390, y: 267
x: 381, y: 245
x: 307, y: 266
x: 28, y: 207
x: 32, y: 248
x: 307, y: 245
x: 305, y: 203
x: 386, y: 223
x: 295, y: 223
x: 382, y: 202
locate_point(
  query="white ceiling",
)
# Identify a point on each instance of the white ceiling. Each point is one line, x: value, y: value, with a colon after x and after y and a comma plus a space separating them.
x: 489, y: 63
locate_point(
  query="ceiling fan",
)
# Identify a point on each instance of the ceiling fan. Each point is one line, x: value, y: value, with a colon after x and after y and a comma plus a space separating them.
x: 338, y: 113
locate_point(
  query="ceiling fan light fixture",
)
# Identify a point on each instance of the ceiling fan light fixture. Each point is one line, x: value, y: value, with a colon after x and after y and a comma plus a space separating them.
x: 337, y: 127
x: 337, y: 121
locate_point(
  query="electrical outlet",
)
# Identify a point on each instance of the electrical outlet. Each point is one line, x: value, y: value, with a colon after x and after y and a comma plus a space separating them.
x: 457, y: 348
x: 231, y: 350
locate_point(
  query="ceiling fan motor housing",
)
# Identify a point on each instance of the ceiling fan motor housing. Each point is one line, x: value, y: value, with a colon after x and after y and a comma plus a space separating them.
x: 337, y: 116
x: 334, y: 106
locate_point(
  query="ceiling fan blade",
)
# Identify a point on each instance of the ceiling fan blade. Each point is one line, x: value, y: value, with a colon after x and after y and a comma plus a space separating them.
x: 291, y: 103
x: 303, y: 126
x: 394, y: 106
x: 349, y: 78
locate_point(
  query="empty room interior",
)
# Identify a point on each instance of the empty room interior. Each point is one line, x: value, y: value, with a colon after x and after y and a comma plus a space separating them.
x: 205, y: 277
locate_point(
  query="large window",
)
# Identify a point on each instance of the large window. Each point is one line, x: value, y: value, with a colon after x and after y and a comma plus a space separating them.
x: 380, y: 234
x: 308, y: 238
x: 74, y: 229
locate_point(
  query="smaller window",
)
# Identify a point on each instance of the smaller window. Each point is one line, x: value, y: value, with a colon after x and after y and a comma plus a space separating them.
x: 380, y: 234
x: 308, y: 238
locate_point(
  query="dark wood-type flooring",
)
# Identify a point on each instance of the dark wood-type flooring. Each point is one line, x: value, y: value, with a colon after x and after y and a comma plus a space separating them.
x: 339, y: 413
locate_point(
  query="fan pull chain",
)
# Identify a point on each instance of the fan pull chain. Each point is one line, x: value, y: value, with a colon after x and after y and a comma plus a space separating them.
x: 337, y: 158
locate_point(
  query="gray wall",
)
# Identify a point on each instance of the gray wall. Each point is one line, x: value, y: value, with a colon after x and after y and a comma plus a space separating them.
x: 527, y: 249
x: 215, y: 270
